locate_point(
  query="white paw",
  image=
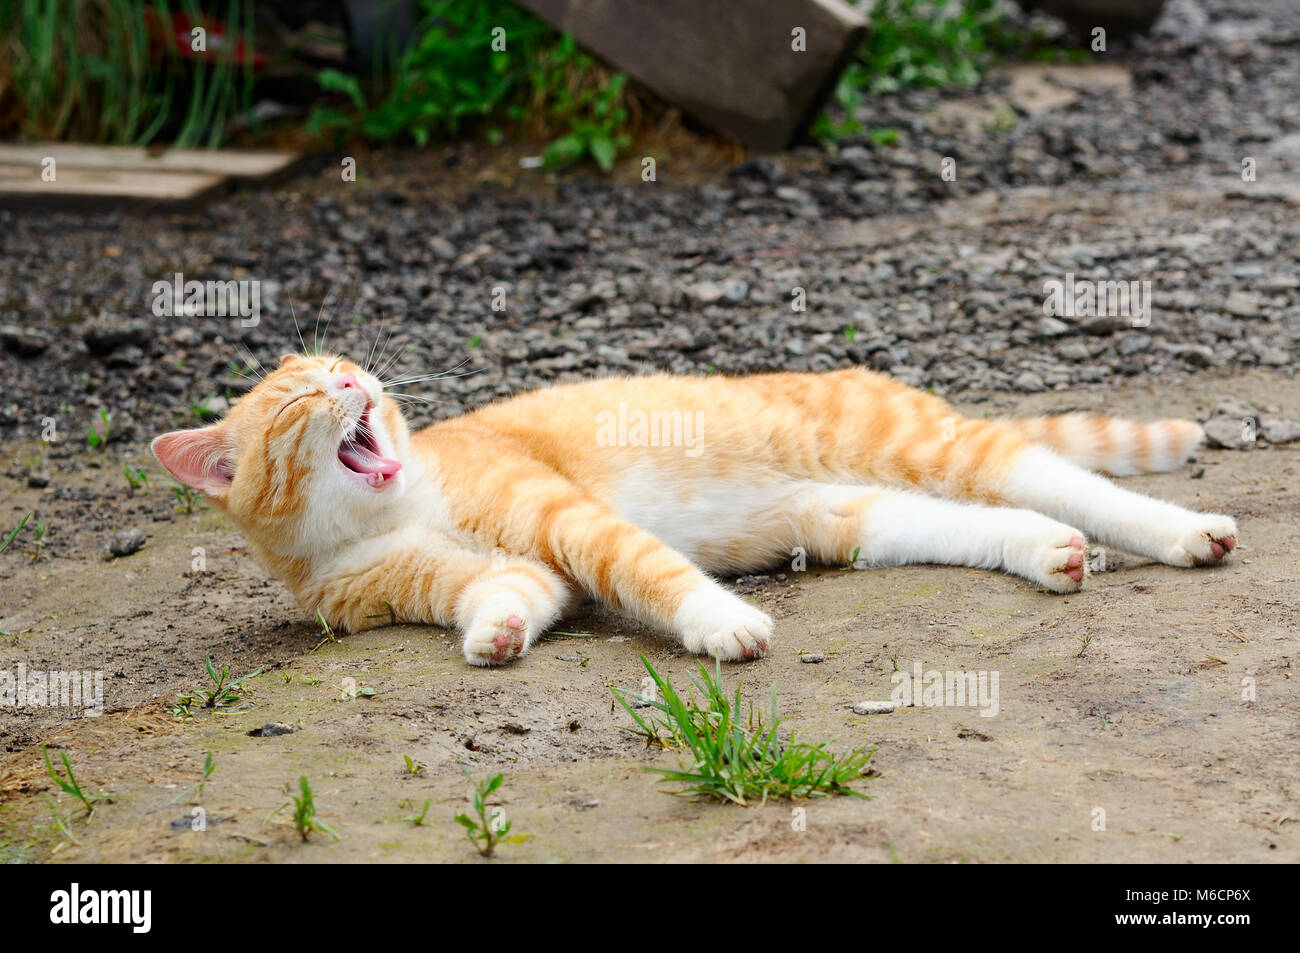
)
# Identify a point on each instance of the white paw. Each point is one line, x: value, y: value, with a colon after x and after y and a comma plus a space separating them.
x: 1205, y: 543
x: 1062, y: 562
x: 499, y: 631
x: 712, y: 621
x: 1055, y: 556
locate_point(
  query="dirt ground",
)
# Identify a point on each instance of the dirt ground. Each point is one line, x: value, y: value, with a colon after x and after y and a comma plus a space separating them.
x: 1144, y: 728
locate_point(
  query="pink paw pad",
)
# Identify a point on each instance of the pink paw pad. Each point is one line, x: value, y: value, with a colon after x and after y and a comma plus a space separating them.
x: 510, y: 642
x: 1218, y: 549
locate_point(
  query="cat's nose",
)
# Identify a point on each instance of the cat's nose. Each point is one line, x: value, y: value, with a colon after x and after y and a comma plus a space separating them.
x: 348, y: 380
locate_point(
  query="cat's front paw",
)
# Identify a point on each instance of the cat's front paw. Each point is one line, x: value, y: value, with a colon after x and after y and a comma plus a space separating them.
x: 1206, y: 543
x: 498, y: 633
x: 712, y: 621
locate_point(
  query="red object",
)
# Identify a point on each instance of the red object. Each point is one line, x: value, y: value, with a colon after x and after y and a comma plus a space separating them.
x: 181, y: 41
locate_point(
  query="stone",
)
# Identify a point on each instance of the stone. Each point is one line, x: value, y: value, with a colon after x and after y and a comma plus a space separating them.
x: 1030, y: 383
x: 1279, y: 429
x: 875, y: 707
x: 25, y: 342
x: 1242, y: 304
x: 126, y: 542
x: 1228, y: 433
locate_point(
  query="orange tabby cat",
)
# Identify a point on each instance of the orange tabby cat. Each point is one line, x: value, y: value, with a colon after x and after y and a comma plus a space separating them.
x: 634, y: 490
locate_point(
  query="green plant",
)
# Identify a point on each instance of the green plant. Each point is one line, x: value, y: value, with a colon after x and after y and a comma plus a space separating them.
x: 136, y: 478
x: 325, y: 631
x: 594, y: 113
x: 418, y: 819
x: 738, y: 758
x: 70, y: 785
x: 209, y: 765
x: 928, y: 43
x: 413, y: 767
x: 448, y: 76
x: 884, y: 136
x: 39, y: 529
x: 186, y: 497
x: 455, y: 76
x: 914, y: 43
x: 486, y: 829
x: 13, y: 533
x: 91, y: 70
x: 304, y: 812
x: 94, y: 439
x: 224, y: 691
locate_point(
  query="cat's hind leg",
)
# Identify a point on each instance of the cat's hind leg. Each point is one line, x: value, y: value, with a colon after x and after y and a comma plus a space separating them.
x: 886, y: 527
x: 1117, y: 517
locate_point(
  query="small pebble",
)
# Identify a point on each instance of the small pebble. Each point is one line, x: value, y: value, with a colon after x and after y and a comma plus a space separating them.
x: 874, y: 708
x: 811, y: 658
x: 271, y: 729
x: 126, y: 542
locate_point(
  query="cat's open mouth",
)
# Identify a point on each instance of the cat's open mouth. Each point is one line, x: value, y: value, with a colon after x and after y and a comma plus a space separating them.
x: 360, y: 453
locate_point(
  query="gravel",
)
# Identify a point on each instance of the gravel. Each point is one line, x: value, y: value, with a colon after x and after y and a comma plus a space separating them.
x: 431, y: 262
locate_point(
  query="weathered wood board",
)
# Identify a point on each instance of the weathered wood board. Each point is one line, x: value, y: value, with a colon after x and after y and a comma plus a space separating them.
x: 86, y: 175
x: 733, y: 64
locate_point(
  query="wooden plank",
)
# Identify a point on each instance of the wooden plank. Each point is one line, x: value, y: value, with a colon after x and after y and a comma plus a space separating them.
x: 21, y: 186
x: 240, y: 165
x: 728, y: 63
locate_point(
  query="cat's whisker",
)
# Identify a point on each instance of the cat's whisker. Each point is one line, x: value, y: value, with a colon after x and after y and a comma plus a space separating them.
x: 444, y: 376
x: 419, y: 399
x: 397, y: 356
x: 294, y: 314
x: 371, y: 357
x: 252, y: 363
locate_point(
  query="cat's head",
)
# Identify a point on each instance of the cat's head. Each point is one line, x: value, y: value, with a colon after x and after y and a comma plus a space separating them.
x: 311, y: 456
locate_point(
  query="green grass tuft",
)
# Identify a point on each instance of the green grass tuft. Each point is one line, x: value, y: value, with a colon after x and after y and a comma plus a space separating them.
x: 737, y: 756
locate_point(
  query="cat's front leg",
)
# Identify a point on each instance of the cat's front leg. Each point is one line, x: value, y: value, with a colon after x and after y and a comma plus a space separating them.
x: 507, y: 608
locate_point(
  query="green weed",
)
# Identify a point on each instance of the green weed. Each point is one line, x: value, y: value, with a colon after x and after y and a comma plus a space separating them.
x: 736, y: 757
x: 487, y: 828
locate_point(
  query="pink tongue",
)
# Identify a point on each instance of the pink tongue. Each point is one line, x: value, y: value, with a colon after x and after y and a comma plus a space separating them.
x: 365, y: 461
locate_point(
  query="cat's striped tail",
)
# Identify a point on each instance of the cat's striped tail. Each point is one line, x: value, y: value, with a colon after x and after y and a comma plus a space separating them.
x: 1114, y: 446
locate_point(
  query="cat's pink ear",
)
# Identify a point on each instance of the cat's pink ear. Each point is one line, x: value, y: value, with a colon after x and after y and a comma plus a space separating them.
x: 287, y: 359
x: 200, y: 458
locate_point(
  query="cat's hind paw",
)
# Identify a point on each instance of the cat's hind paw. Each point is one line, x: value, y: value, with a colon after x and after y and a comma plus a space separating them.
x: 1206, y: 544
x: 712, y: 621
x: 1060, y: 562
x: 498, y: 633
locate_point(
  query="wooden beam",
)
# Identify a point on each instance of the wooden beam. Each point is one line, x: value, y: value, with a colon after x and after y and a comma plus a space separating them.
x: 21, y: 186
x: 731, y: 64
x: 240, y: 165
x: 112, y: 176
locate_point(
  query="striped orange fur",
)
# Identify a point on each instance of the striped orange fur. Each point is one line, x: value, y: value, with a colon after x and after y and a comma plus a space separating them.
x: 635, y: 490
